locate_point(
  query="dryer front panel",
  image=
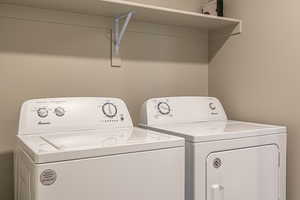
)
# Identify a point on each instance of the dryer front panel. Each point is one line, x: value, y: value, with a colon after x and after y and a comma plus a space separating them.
x: 247, y: 174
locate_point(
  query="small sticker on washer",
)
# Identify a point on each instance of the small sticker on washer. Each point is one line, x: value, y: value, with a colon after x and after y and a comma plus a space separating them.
x: 48, y: 177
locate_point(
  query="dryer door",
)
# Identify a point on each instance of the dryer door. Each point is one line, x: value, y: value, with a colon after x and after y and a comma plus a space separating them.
x: 243, y: 174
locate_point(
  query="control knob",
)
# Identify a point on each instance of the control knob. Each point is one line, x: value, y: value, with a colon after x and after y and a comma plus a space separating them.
x: 42, y: 112
x: 59, y: 111
x: 212, y: 106
x: 109, y: 110
x: 163, y: 108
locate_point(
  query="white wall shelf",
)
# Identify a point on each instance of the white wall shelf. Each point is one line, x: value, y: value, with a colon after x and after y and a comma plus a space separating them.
x: 142, y: 12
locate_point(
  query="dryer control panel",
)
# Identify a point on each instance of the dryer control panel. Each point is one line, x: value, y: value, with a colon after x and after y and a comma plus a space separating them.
x: 71, y: 114
x: 181, y: 110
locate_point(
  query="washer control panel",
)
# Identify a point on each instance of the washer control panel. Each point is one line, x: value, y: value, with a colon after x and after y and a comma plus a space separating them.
x: 69, y: 114
x: 181, y: 110
x: 43, y: 111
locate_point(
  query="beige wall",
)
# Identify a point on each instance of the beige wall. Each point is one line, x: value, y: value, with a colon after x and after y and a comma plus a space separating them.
x: 55, y: 54
x: 256, y: 75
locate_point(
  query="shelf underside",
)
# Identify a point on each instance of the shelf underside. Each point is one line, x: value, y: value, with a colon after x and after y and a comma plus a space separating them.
x: 145, y: 13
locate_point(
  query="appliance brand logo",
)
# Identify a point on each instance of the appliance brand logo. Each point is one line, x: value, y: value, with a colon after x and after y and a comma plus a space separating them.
x: 43, y: 123
x: 48, y: 177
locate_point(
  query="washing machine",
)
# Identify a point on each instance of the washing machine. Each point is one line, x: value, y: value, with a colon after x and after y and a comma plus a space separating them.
x: 225, y: 159
x: 87, y: 148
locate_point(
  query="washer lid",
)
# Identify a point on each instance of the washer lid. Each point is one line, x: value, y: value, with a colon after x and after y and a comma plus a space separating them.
x: 87, y: 144
x: 217, y: 130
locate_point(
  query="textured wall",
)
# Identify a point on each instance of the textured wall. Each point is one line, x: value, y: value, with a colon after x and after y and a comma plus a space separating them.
x: 55, y: 54
x: 256, y: 75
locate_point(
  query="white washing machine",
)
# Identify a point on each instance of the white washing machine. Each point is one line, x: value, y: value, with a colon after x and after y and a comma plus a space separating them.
x: 225, y: 160
x: 87, y: 149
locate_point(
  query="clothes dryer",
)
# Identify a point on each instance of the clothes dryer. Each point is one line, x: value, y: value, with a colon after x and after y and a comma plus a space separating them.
x: 225, y: 159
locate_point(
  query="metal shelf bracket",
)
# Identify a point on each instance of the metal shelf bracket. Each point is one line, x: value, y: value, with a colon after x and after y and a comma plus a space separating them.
x: 117, y: 36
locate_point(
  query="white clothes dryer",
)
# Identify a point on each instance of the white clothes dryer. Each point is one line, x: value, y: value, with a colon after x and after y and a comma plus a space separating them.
x: 225, y: 160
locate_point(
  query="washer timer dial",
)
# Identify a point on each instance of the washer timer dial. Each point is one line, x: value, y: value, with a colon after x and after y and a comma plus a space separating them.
x: 109, y: 110
x: 163, y: 108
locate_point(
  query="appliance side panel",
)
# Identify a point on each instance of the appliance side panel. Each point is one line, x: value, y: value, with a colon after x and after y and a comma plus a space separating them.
x: 147, y: 175
x: 188, y: 171
x: 282, y: 172
x: 24, y: 185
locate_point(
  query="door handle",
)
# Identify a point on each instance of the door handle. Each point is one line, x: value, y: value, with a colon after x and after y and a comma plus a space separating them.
x: 217, y: 192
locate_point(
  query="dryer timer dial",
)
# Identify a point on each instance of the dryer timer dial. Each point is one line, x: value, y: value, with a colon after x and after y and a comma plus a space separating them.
x: 163, y: 108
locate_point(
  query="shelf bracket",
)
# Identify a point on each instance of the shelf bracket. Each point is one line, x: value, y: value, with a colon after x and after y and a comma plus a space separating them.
x: 117, y: 36
x: 237, y: 30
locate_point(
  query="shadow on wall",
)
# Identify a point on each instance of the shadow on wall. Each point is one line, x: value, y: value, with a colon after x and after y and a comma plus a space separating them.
x: 141, y: 43
x: 6, y: 174
x: 218, y: 39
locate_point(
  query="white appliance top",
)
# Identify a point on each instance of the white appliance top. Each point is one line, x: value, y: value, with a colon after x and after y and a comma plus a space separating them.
x: 94, y: 143
x: 217, y: 130
x: 72, y: 128
x: 198, y: 119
